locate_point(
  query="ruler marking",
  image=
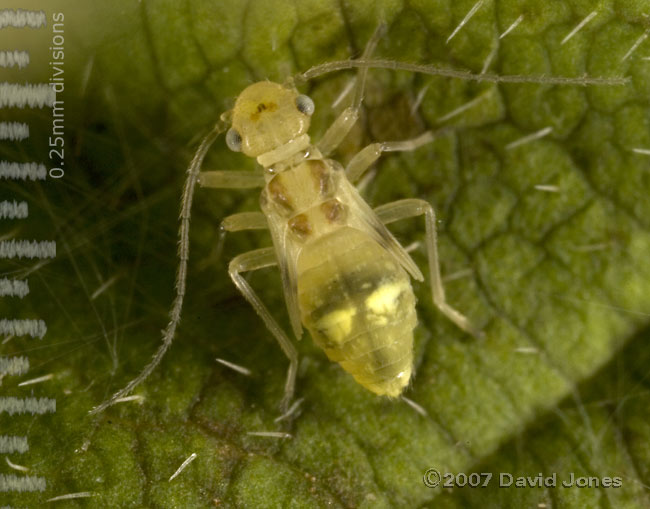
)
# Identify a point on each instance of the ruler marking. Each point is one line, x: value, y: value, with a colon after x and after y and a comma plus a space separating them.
x: 32, y: 406
x: 13, y: 210
x: 13, y: 288
x: 13, y: 58
x: 27, y: 249
x: 33, y: 328
x: 13, y: 95
x: 14, y: 131
x: 14, y: 365
x: 10, y: 444
x: 21, y: 18
x: 27, y: 483
x: 22, y: 171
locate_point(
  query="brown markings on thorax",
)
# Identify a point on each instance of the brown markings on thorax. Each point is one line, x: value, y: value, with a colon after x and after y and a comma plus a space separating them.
x: 278, y: 193
x: 320, y: 175
x: 333, y: 210
x: 302, y: 186
x: 300, y: 225
x: 304, y: 195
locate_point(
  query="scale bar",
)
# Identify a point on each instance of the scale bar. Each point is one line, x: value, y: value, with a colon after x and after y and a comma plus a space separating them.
x: 33, y: 328
x: 13, y: 95
x: 25, y: 483
x: 21, y: 18
x: 13, y: 288
x: 13, y: 209
x: 10, y: 444
x: 14, y: 365
x: 27, y: 249
x: 14, y: 131
x: 12, y: 58
x: 22, y: 171
x: 32, y: 406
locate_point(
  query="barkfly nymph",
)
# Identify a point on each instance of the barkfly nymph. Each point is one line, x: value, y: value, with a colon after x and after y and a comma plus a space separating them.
x: 346, y: 279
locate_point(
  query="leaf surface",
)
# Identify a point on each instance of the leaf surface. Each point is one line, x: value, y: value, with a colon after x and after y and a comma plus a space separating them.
x: 558, y: 275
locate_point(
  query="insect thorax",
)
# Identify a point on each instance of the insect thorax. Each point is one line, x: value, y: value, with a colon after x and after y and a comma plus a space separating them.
x: 305, y: 196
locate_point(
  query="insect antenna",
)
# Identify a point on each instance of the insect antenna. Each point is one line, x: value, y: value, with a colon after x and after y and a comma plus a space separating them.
x: 379, y: 32
x: 181, y: 275
x: 339, y: 65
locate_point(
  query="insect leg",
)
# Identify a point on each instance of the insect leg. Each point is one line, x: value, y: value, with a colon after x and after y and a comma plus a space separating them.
x: 412, y: 207
x: 259, y: 259
x: 239, y: 222
x: 342, y: 125
x: 368, y: 155
x: 244, y: 221
x: 236, y: 222
x: 231, y: 179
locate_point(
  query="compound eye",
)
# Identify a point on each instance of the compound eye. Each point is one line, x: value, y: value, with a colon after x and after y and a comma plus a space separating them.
x: 233, y: 140
x: 305, y: 104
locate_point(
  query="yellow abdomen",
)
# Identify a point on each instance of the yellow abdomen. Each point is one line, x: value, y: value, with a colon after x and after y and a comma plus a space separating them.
x: 358, y: 305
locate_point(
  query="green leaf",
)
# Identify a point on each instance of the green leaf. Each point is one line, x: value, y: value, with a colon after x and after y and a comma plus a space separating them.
x: 557, y: 276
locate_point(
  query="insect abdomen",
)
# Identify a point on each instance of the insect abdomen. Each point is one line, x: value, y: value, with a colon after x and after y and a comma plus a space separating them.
x: 358, y: 304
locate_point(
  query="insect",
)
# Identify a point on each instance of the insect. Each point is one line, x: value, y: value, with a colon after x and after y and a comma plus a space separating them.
x: 346, y: 279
